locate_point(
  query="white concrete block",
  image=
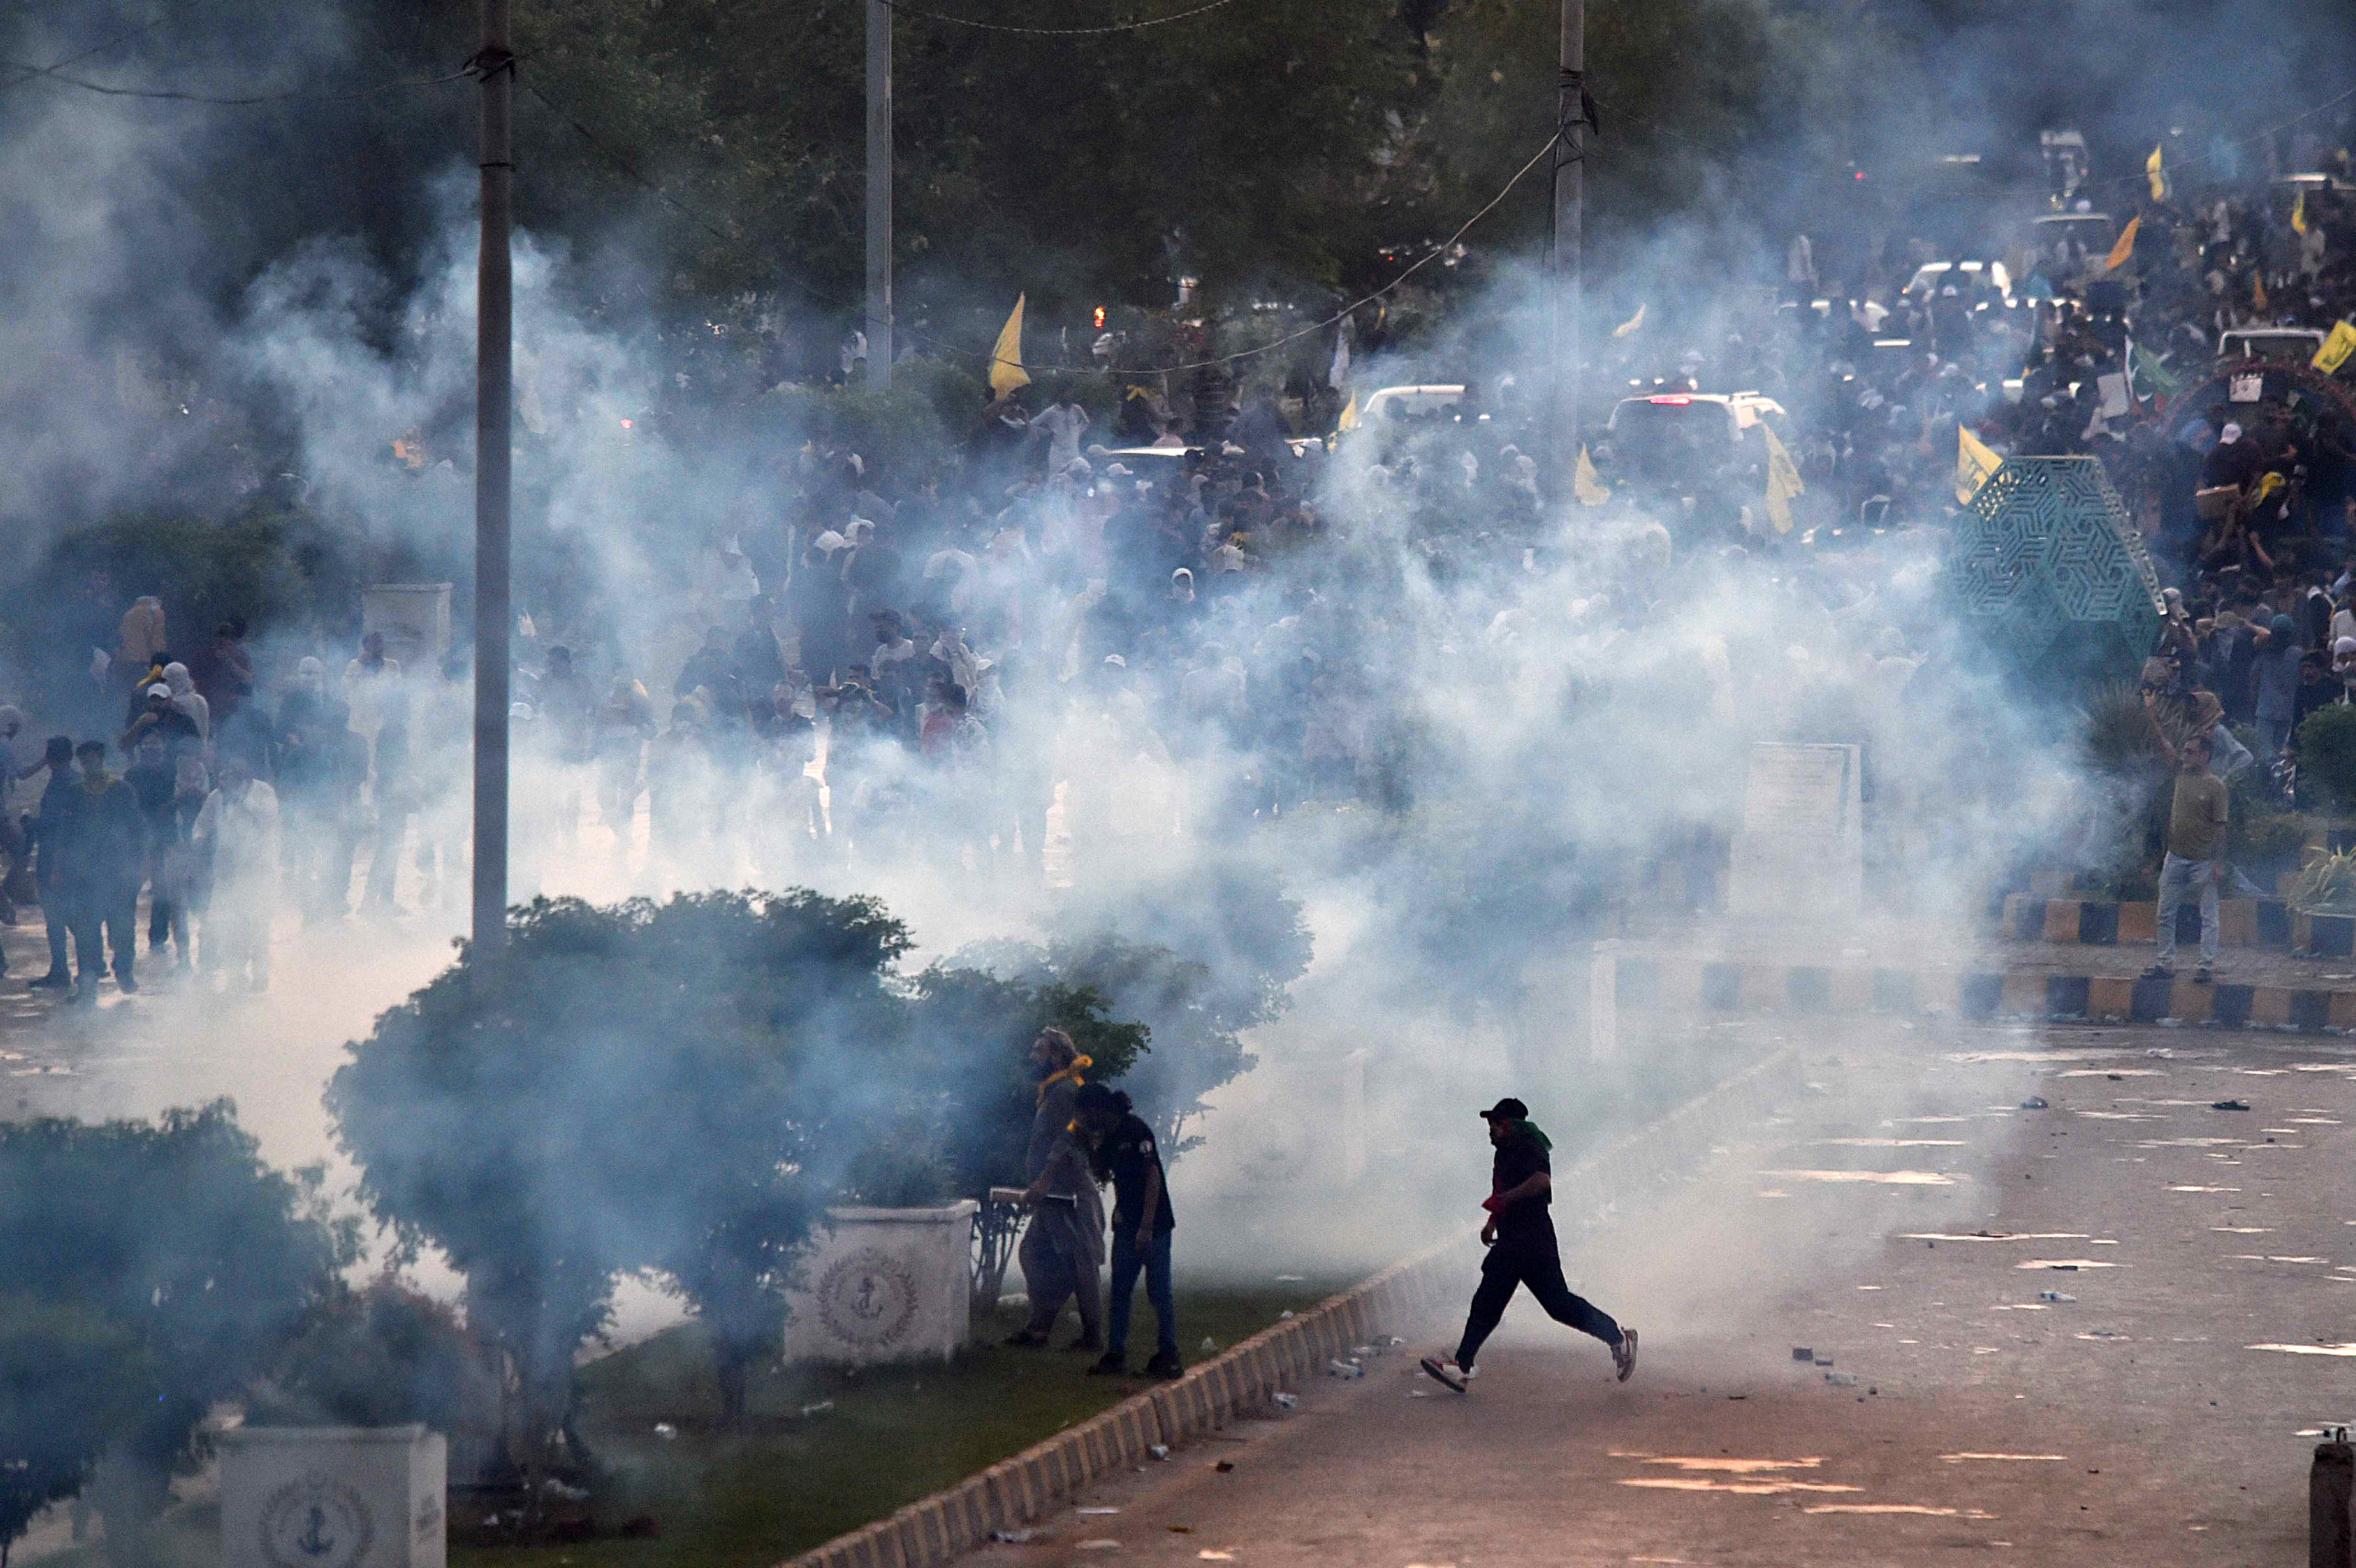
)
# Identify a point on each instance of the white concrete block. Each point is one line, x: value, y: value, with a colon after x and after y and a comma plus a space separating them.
x: 884, y: 1285
x: 333, y: 1497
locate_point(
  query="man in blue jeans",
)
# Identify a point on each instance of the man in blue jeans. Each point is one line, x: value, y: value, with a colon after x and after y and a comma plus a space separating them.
x: 2196, y: 856
x: 1142, y: 1224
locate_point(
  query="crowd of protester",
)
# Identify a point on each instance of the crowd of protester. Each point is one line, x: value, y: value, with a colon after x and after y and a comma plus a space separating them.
x: 1186, y: 614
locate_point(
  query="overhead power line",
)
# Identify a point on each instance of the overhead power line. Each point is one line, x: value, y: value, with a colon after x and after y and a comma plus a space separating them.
x: 1057, y: 32
x: 630, y: 172
x: 36, y: 72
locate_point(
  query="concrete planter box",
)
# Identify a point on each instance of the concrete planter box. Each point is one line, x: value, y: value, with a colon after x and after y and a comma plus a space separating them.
x: 333, y: 1497
x: 884, y: 1285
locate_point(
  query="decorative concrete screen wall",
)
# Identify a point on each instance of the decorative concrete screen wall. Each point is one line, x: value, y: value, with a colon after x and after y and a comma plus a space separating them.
x: 885, y: 1285
x: 2050, y: 569
x: 332, y: 1496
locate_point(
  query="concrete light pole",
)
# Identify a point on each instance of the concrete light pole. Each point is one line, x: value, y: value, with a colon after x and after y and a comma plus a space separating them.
x: 878, y: 325
x: 1563, y: 264
x: 494, y: 423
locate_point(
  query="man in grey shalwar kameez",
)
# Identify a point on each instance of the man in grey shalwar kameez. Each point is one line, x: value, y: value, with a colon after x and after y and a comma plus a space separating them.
x: 1063, y: 1249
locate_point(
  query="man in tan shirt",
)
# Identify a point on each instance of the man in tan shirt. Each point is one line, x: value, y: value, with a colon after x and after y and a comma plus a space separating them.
x: 2196, y: 856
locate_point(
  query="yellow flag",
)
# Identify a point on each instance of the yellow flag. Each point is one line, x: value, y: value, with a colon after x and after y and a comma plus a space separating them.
x: 2258, y: 291
x: 1974, y: 464
x: 2157, y: 174
x: 1588, y: 485
x: 1782, y: 482
x: 1006, y: 371
x: 1349, y: 419
x: 2298, y: 213
x: 2125, y: 247
x: 2336, y: 348
x: 1632, y: 323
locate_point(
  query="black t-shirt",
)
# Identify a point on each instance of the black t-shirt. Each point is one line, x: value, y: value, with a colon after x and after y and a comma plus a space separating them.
x: 1519, y: 1157
x: 1127, y: 1152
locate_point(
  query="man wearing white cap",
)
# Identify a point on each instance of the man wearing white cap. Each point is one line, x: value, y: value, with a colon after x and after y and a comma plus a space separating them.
x: 161, y: 717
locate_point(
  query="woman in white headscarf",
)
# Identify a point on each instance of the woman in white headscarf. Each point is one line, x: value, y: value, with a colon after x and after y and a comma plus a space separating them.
x: 188, y: 700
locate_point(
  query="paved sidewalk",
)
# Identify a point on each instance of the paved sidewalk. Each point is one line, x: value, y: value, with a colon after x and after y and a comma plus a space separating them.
x: 2135, y: 1425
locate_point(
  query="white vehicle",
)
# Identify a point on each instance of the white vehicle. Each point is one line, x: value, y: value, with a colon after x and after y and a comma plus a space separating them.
x: 1416, y: 402
x: 1969, y: 278
x: 1659, y: 431
x: 2299, y: 343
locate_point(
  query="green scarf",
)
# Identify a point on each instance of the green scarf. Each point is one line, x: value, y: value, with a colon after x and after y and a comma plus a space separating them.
x: 1530, y: 1130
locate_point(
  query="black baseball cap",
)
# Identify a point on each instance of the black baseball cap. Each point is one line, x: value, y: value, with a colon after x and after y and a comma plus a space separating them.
x: 1507, y: 1109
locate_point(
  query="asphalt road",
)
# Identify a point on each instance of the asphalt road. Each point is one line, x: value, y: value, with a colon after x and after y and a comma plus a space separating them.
x: 1896, y: 1211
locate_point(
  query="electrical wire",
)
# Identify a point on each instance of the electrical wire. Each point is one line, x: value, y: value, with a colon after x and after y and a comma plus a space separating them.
x: 35, y: 73
x: 1335, y: 319
x: 55, y: 73
x: 1056, y: 32
x: 989, y: 357
x: 2198, y: 159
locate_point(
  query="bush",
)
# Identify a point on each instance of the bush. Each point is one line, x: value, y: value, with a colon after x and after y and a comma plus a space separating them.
x: 2326, y: 756
x: 2118, y: 737
x: 383, y: 1356
x: 676, y: 1088
x: 968, y: 1090
x: 2327, y: 884
x: 170, y: 1246
x: 70, y: 1379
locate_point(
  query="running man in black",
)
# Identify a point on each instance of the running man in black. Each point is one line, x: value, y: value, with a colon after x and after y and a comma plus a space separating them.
x: 1519, y: 1234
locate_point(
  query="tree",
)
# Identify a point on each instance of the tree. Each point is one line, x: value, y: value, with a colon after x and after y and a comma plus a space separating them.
x: 967, y: 1088
x: 676, y: 1087
x: 70, y: 1380
x: 171, y: 1243
x: 1199, y: 961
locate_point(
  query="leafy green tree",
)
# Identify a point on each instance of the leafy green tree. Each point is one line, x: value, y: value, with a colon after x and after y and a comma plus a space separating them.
x: 675, y: 1087
x: 170, y: 1247
x: 381, y: 1356
x: 69, y: 1380
x: 966, y: 1090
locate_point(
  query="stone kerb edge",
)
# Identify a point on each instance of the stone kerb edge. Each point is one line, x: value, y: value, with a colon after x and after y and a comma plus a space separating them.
x: 935, y: 1528
x: 1006, y: 1495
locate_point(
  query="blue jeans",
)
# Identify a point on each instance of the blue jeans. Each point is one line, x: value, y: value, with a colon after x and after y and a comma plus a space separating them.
x: 2179, y: 876
x: 1127, y: 1259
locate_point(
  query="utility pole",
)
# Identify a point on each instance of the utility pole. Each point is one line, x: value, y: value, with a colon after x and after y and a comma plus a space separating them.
x: 1569, y: 181
x: 493, y: 424
x: 878, y: 325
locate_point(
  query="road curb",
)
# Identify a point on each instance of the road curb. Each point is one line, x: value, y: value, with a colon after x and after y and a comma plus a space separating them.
x: 2241, y: 922
x: 1668, y: 984
x: 1408, y: 1296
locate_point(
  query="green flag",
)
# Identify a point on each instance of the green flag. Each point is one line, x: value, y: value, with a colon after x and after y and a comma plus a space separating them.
x: 2159, y: 378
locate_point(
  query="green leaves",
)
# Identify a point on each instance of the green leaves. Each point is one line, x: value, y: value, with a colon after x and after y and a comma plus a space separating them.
x: 152, y: 1268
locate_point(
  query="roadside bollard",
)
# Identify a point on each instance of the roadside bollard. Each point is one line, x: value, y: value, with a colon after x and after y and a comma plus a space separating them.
x: 2329, y: 1485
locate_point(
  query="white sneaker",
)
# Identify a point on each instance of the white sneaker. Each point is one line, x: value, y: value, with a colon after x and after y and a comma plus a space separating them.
x: 1445, y: 1370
